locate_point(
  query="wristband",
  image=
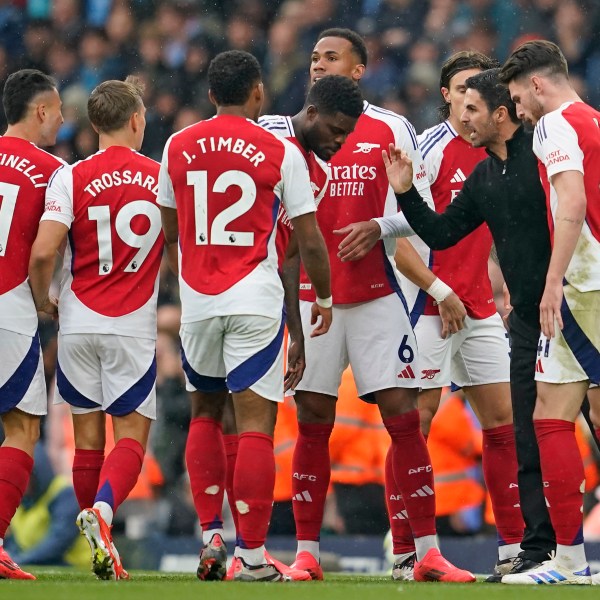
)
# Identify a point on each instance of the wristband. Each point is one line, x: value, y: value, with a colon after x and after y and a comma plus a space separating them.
x: 438, y: 290
x: 325, y: 302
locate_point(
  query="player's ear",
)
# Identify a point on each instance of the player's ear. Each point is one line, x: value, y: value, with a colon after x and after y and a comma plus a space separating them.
x: 312, y: 112
x: 501, y: 114
x: 358, y: 72
x: 445, y: 94
x: 211, y: 97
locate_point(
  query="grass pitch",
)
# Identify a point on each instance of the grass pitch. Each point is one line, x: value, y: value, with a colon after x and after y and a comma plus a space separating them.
x: 67, y: 584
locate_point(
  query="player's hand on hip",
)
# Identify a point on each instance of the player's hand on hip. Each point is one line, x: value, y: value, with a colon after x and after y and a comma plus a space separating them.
x: 296, y: 365
x: 325, y: 315
x: 358, y: 241
x: 452, y: 313
x: 50, y: 307
x: 550, y: 306
x: 399, y: 169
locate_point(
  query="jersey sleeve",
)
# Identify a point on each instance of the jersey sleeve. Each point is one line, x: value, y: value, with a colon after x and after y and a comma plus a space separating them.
x: 432, y: 159
x: 405, y: 138
x: 556, y: 144
x: 166, y: 195
x: 294, y: 188
x: 59, y: 197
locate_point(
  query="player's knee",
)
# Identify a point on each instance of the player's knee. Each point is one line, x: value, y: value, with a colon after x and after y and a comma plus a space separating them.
x: 316, y: 411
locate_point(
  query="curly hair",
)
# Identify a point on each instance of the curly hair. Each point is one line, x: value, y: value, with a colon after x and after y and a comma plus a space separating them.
x: 336, y: 94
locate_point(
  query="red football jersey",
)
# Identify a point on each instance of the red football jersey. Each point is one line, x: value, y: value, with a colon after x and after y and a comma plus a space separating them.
x: 358, y: 190
x: 24, y: 173
x: 568, y: 139
x: 449, y: 160
x: 115, y: 242
x: 226, y: 177
x: 317, y: 172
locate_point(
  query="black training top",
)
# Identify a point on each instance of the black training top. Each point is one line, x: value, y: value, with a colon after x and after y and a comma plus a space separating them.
x: 508, y: 196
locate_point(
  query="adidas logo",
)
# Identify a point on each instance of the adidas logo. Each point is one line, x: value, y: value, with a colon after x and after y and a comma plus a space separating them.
x: 303, y: 497
x: 538, y: 366
x: 402, y: 515
x: 423, y: 492
x: 408, y: 373
x: 459, y: 177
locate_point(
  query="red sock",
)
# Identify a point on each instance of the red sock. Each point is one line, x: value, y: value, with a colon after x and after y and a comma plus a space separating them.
x: 311, y: 467
x: 86, y: 475
x: 562, y: 471
x: 412, y: 471
x: 402, y: 537
x: 120, y: 472
x: 253, y: 484
x: 207, y: 465
x: 231, y: 451
x: 15, y: 470
x: 500, y: 474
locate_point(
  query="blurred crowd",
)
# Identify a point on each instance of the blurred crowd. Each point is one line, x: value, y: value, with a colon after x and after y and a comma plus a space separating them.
x: 169, y: 44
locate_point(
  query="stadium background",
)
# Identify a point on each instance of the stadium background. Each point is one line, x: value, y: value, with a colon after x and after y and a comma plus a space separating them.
x: 169, y: 44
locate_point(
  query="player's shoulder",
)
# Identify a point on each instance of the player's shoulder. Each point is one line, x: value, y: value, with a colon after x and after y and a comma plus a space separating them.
x: 436, y: 138
x: 397, y: 123
x: 279, y: 125
x: 146, y: 160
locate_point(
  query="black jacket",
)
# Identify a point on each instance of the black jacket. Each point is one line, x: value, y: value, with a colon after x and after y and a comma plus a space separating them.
x: 508, y: 196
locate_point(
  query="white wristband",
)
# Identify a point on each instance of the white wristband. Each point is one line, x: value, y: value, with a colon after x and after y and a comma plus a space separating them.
x: 438, y: 290
x: 325, y: 302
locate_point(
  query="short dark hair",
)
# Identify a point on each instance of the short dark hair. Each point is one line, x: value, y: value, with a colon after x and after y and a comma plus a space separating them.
x: 112, y: 103
x: 537, y: 55
x: 462, y: 61
x: 494, y: 93
x: 358, y: 44
x: 231, y: 77
x: 20, y: 89
x: 336, y: 94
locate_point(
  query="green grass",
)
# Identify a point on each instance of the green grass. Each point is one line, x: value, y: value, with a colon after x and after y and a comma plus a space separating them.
x: 66, y: 584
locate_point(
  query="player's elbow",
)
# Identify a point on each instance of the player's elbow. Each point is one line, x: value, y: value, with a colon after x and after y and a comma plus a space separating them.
x: 41, y: 257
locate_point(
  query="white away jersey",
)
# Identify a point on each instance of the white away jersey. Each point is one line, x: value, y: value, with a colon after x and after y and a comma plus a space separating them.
x: 568, y: 139
x: 24, y: 173
x: 227, y: 177
x: 109, y: 281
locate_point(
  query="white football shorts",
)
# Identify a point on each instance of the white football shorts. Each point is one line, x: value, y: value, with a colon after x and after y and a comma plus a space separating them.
x: 374, y: 337
x: 574, y: 353
x: 478, y: 354
x: 22, y: 383
x: 236, y: 352
x: 113, y: 373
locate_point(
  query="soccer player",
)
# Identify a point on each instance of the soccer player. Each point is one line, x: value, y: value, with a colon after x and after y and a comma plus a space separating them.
x: 567, y: 144
x: 371, y: 329
x: 477, y: 357
x: 105, y: 207
x: 221, y: 184
x: 329, y: 115
x: 33, y: 111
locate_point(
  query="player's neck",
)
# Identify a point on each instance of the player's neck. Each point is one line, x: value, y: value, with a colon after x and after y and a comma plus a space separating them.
x: 455, y: 122
x: 106, y: 140
x: 559, y: 97
x: 24, y: 131
x: 297, y: 124
x: 246, y: 112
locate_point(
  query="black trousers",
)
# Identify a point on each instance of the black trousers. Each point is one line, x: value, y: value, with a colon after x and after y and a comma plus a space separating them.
x: 539, y: 537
